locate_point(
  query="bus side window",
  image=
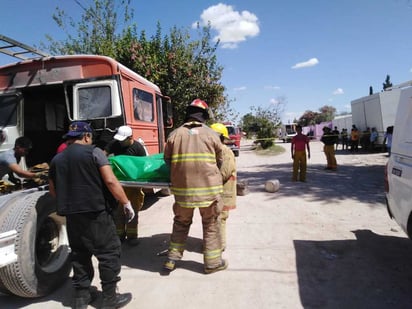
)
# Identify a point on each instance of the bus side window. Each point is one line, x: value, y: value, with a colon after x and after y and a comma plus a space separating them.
x: 143, y: 105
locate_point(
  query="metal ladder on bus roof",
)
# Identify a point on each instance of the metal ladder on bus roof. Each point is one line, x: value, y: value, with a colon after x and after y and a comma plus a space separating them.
x: 19, y: 50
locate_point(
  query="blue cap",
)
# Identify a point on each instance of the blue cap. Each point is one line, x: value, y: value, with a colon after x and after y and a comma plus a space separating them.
x: 77, y: 128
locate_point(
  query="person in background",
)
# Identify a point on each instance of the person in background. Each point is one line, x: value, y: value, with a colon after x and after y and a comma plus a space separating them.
x: 354, y: 139
x: 228, y: 170
x: 335, y: 132
x: 194, y: 153
x: 67, y: 141
x: 373, y: 138
x: 86, y: 190
x: 344, y: 138
x: 298, y: 146
x: 387, y: 139
x: 124, y: 144
x: 365, y: 139
x: 328, y: 139
x: 10, y: 159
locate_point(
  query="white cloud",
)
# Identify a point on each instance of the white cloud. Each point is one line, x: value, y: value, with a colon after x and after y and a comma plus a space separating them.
x: 338, y: 91
x: 243, y: 88
x: 231, y: 26
x: 272, y: 87
x: 274, y: 101
x: 310, y: 63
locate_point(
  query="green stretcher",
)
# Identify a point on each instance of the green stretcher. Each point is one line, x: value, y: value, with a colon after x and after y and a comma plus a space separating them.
x: 143, y: 172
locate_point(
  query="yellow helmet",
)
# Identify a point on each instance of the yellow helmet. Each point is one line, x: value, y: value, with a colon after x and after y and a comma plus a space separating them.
x: 221, y: 129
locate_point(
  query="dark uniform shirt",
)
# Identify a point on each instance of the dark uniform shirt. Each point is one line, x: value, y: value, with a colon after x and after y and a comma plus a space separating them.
x: 115, y: 147
x: 79, y: 185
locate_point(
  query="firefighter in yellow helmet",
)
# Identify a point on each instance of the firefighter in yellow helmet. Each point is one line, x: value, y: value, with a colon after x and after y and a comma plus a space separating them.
x: 228, y: 171
x: 194, y: 153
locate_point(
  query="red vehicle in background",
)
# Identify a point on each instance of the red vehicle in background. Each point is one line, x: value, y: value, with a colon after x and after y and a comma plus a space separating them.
x: 235, y: 134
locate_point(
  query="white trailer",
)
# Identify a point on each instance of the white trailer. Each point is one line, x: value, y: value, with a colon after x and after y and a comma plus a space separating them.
x: 377, y: 110
x: 342, y: 122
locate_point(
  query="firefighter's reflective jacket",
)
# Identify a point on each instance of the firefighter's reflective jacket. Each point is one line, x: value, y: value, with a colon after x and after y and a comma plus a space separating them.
x: 194, y: 152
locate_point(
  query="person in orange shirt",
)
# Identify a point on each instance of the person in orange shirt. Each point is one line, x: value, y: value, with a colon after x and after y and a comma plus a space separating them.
x: 354, y: 137
x: 300, y: 142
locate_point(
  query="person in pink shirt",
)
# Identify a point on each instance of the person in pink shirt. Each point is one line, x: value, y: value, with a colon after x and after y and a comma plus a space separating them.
x: 300, y: 142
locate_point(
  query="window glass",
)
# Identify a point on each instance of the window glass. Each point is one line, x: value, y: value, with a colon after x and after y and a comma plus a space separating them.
x: 143, y: 105
x: 8, y: 111
x: 231, y: 130
x: 95, y: 102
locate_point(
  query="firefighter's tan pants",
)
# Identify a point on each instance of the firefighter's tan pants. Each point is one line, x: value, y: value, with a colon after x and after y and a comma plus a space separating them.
x: 299, y: 165
x: 130, y: 230
x: 330, y: 156
x: 212, y: 248
x: 224, y: 215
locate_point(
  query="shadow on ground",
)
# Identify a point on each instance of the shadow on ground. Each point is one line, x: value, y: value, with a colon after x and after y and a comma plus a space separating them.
x: 364, y: 183
x: 373, y: 271
x: 149, y: 254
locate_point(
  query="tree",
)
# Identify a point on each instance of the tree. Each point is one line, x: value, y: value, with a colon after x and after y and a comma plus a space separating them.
x: 308, y: 118
x: 184, y: 68
x: 326, y: 113
x: 387, y: 83
x: 263, y: 121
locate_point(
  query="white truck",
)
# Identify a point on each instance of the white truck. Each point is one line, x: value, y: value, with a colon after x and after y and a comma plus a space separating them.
x: 376, y: 111
x: 398, y: 173
x: 39, y: 97
x: 288, y: 131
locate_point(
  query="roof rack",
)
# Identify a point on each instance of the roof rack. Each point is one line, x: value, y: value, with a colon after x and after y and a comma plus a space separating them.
x: 19, y: 50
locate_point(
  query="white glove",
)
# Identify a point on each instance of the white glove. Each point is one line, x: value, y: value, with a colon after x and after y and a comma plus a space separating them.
x: 128, y: 211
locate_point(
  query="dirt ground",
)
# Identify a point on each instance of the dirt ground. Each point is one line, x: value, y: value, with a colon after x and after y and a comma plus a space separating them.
x: 325, y: 243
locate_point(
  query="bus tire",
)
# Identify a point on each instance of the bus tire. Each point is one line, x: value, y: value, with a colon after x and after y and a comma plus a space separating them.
x: 41, y: 245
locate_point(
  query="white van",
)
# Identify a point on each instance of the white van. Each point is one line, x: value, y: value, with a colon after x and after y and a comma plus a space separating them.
x: 398, y: 174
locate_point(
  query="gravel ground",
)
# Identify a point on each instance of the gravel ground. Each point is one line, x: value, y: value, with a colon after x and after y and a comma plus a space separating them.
x: 325, y: 243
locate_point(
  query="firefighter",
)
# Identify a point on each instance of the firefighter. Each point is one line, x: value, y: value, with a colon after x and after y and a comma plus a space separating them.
x: 228, y: 170
x: 328, y: 140
x: 194, y: 153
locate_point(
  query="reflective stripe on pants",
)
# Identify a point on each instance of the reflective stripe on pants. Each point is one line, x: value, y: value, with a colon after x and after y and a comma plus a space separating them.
x: 212, y: 248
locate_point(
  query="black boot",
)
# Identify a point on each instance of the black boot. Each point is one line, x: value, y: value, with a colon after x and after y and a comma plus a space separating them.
x: 116, y: 301
x: 83, y: 297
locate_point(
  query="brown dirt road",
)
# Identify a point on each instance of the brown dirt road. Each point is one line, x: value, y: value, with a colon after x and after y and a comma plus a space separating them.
x: 326, y: 243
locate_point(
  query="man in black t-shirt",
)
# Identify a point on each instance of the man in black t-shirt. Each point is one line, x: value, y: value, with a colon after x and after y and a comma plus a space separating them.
x: 124, y: 144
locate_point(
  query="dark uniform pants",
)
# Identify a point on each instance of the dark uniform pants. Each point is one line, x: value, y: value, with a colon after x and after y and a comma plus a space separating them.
x: 212, y: 246
x: 94, y: 233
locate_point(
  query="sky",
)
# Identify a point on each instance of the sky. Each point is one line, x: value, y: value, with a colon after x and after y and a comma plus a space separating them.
x: 304, y: 53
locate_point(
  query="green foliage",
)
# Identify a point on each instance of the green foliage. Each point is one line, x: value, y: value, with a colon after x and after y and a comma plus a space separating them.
x: 183, y: 68
x: 387, y: 83
x: 261, y: 123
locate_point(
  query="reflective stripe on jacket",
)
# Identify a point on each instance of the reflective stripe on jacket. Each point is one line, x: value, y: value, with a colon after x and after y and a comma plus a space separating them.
x: 194, y: 153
